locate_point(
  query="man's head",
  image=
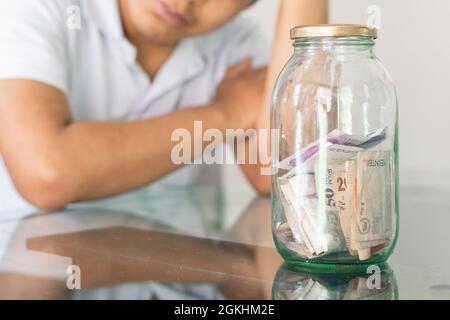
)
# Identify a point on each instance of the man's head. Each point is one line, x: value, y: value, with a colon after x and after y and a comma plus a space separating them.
x: 168, y: 21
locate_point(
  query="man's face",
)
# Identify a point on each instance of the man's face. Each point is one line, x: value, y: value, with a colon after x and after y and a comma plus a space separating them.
x: 168, y: 21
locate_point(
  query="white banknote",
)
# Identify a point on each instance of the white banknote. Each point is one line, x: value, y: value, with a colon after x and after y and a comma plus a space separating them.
x: 372, y: 224
x: 335, y: 138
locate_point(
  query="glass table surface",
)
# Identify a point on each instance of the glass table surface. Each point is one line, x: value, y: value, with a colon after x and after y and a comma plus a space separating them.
x: 191, y: 243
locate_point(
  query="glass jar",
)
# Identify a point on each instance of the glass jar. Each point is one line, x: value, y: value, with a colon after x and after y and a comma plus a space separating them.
x: 334, y: 151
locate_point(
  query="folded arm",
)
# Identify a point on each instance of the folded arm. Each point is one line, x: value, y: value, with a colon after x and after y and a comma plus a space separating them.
x: 54, y: 160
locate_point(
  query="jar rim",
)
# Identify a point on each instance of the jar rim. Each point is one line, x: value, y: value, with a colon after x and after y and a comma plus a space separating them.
x: 333, y: 30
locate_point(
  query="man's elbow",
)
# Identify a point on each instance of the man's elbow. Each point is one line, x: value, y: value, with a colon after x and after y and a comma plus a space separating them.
x: 46, y: 202
x: 45, y: 189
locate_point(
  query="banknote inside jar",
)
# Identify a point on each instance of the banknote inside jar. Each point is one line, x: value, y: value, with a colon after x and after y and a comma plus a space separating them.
x: 341, y: 205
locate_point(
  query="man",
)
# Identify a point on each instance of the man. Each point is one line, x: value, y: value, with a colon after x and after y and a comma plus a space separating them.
x: 88, y: 112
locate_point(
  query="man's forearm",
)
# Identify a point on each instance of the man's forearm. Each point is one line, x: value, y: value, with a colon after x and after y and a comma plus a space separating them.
x: 130, y: 155
x: 54, y: 160
x: 95, y: 160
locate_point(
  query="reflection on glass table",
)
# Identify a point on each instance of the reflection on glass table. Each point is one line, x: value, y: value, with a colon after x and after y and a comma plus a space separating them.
x: 194, y: 243
x: 176, y: 245
x: 118, y: 262
x: 376, y: 284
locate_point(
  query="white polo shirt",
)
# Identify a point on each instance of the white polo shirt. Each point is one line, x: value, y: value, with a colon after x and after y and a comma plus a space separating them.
x: 95, y: 66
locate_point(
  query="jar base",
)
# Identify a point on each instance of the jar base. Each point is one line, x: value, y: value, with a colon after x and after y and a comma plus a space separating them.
x: 360, y: 268
x: 327, y: 265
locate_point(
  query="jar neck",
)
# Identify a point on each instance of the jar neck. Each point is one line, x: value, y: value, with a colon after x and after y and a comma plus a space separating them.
x: 336, y: 45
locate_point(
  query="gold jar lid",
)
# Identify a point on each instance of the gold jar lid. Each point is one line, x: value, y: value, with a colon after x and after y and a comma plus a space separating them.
x: 333, y: 30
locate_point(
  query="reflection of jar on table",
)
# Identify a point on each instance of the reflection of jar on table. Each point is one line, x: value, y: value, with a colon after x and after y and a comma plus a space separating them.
x: 290, y: 284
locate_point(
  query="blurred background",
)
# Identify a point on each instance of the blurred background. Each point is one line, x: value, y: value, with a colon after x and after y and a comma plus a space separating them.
x: 414, y: 47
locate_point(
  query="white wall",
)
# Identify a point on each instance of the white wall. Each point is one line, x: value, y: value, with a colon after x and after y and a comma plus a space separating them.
x: 413, y: 44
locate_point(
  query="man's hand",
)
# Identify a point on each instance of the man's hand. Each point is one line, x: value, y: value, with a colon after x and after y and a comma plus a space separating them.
x: 239, y: 95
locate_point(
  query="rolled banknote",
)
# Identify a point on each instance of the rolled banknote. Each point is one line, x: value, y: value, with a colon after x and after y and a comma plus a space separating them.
x: 334, y: 152
x: 286, y: 236
x: 335, y: 236
x: 343, y: 184
x: 372, y: 222
x: 364, y: 141
x: 298, y: 199
x: 304, y: 229
x: 303, y: 240
x: 312, y: 224
x: 335, y: 201
x: 336, y: 137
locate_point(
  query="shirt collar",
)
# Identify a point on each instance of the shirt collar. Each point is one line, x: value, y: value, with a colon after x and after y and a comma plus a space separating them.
x: 105, y: 14
x: 185, y: 63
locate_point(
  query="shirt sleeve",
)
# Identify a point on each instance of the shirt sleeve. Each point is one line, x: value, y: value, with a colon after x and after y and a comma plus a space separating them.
x: 33, y: 42
x: 239, y: 40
